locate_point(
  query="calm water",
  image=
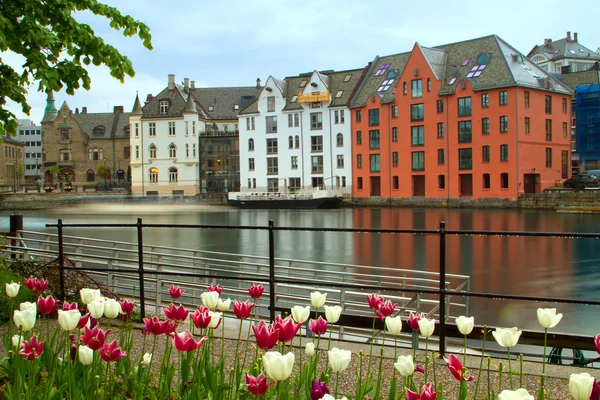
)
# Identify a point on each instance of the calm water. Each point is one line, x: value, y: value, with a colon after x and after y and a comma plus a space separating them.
x: 511, y: 265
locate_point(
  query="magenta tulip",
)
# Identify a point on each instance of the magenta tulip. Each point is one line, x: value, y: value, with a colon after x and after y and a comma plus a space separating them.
x: 426, y: 394
x: 175, y: 313
x: 31, y: 349
x: 94, y: 338
x: 318, y: 327
x: 266, y: 335
x: 111, y: 352
x: 242, y: 310
x: 46, y: 305
x: 375, y: 301
x: 287, y: 328
x: 457, y: 370
x: 257, y: 385
x: 255, y: 291
x: 176, y: 292
x: 386, y: 309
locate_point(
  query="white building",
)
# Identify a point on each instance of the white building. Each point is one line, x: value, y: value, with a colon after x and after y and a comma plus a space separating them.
x: 563, y: 55
x: 31, y: 135
x: 297, y: 134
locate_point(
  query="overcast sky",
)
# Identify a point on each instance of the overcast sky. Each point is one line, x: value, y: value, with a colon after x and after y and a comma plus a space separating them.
x: 234, y: 42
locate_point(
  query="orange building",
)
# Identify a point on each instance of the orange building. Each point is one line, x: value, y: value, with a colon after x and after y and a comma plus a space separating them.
x: 469, y: 119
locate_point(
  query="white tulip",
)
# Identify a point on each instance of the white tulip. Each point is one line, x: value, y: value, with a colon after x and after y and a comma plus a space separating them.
x: 581, y: 385
x: 68, y: 320
x: 25, y: 319
x: 300, y: 314
x: 96, y: 309
x: 465, y: 324
x: 112, y: 308
x: 310, y: 349
x: 426, y: 326
x: 278, y: 367
x: 12, y: 289
x: 215, y: 319
x: 507, y: 337
x: 17, y: 341
x: 27, y: 305
x: 548, y: 318
x: 317, y: 299
x: 405, y: 365
x: 210, y: 299
x: 393, y: 325
x: 519, y: 394
x: 332, y: 314
x: 330, y: 397
x: 223, y: 305
x: 86, y: 355
x: 88, y: 295
x: 147, y: 359
x: 339, y: 359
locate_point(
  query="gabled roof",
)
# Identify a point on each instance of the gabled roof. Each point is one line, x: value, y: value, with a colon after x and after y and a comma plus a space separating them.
x: 220, y: 103
x: 583, y: 78
x: 436, y: 59
x: 114, y: 124
x: 176, y: 100
x: 250, y: 109
x: 563, y: 48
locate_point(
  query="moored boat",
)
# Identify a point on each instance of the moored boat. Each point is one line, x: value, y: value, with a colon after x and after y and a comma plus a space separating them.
x: 313, y: 199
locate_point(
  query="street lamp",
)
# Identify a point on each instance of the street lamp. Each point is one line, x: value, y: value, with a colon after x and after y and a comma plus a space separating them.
x: 37, y: 174
x: 119, y: 170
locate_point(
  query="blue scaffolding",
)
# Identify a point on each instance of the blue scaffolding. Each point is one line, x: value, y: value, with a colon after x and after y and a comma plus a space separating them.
x: 588, y: 124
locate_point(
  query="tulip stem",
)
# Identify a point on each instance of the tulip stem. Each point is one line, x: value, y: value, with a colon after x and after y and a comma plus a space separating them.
x: 371, y: 346
x: 426, y: 356
x: 395, y: 355
x: 465, y: 354
x: 223, y: 335
x: 510, y: 370
x: 481, y: 361
x: 337, y: 377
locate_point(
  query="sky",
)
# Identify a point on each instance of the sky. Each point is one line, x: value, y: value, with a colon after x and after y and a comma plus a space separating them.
x: 234, y: 42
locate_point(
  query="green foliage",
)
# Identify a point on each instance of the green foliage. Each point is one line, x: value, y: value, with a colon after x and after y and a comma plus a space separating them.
x: 24, y: 294
x: 103, y: 172
x: 20, y: 170
x: 57, y: 48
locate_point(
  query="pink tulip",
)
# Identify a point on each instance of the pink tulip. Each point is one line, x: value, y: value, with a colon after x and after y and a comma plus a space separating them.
x: 176, y: 292
x: 184, y: 341
x: 201, y: 317
x: 127, y: 307
x: 457, y: 370
x: 386, y: 309
x: 83, y: 321
x: 157, y: 327
x: 597, y: 343
x: 318, y: 327
x: 32, y: 349
x: 255, y: 291
x: 110, y: 352
x: 375, y: 301
x: 413, y: 320
x: 242, y: 310
x: 426, y: 394
x: 175, y: 313
x: 213, y: 288
x: 94, y: 338
x: 36, y: 285
x: 287, y: 328
x: 266, y: 335
x: 69, y: 306
x: 595, y: 391
x: 257, y: 385
x: 46, y: 305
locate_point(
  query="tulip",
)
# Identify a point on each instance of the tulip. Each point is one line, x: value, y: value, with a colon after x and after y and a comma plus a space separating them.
x: 595, y: 391
x: 385, y: 309
x: 201, y: 318
x: 242, y: 310
x: 223, y: 305
x: 332, y: 313
x: 278, y: 367
x: 339, y: 359
x: 548, y: 318
x: 112, y: 308
x: 581, y: 386
x: 110, y: 352
x: 184, y: 341
x: 427, y: 393
x: 16, y: 341
x: 147, y: 359
x: 46, y: 305
x: 287, y: 329
x: 597, y: 343
x: 465, y: 325
x: 209, y: 299
x: 36, y: 285
x: 69, y: 306
x: 217, y: 289
x: 127, y: 308
x: 318, y: 389
x: 456, y: 369
x: 84, y: 320
x: 301, y: 314
x: 310, y: 349
x: 96, y: 308
x: 506, y: 337
x: 215, y: 319
x: 317, y: 299
x: 413, y: 320
x: 330, y: 397
x: 32, y: 349
x: 318, y: 327
x: 519, y: 394
x: 89, y: 295
x: 255, y: 291
x: 375, y: 301
x: 426, y: 326
x: 68, y: 320
x: 12, y: 289
x: 86, y: 355
x: 176, y: 292
x: 393, y: 325
x: 266, y: 335
x: 24, y: 320
x: 94, y: 338
x: 27, y: 305
x: 157, y: 327
x: 405, y: 365
x: 257, y: 385
x: 175, y: 313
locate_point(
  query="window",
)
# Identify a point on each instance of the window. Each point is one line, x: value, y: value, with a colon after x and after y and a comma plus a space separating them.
x: 291, y: 142
x: 339, y: 140
x: 548, y: 130
x: 417, y: 88
x: 440, y: 130
x: 193, y: 149
x: 164, y: 106
x: 271, y: 124
x: 565, y: 129
x: 464, y: 106
x: 359, y: 161
x: 417, y: 137
x: 358, y: 116
x: 416, y: 112
x: 296, y: 120
x: 465, y: 159
x: 187, y: 128
x: 137, y: 152
x: 347, y: 78
x: 250, y: 144
x: 95, y: 154
x: 194, y: 127
x: 527, y: 99
x: 428, y: 84
x: 503, y: 152
x: 272, y: 185
x: 503, y: 124
x: 396, y: 182
x: 152, y: 151
x: 382, y: 69
x: 395, y: 159
x: 374, y: 117
x: 548, y: 157
x: 64, y: 134
x: 359, y: 183
x: 172, y: 151
x: 503, y: 98
x: 485, y: 154
x: 297, y: 141
x: 290, y: 120
x: 340, y: 161
x: 271, y: 146
x: 153, y: 175
x: 404, y: 87
x: 171, y: 128
x: 294, y: 184
x: 250, y: 125
x: 418, y: 161
x: 440, y: 106
x: 316, y: 164
x: 90, y: 175
x: 249, y: 183
x: 441, y: 182
x: 358, y: 137
x: 441, y: 157
x: 338, y: 116
x: 527, y: 125
x: 172, y: 175
x: 394, y: 134
x: 504, y: 180
x: 343, y: 181
x: 394, y: 111
x: 485, y: 100
x: 548, y: 104
x: 375, y: 163
x: 294, y: 162
x: 485, y: 126
x: 270, y: 103
x: 316, y: 121
x: 151, y: 129
x: 464, y: 132
x: 564, y: 160
x: 374, y: 140
x: 564, y: 105
x: 187, y: 150
x: 272, y: 165
x: 251, y: 164
x: 486, y: 181
x: 316, y: 144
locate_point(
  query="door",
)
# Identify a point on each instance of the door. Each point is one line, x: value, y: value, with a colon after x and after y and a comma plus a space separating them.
x: 529, y: 183
x: 418, y: 185
x: 466, y: 185
x: 375, y: 186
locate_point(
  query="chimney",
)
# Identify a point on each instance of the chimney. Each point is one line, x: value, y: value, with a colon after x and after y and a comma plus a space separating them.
x: 568, y: 36
x: 76, y: 110
x: 186, y: 83
x: 171, y: 85
x: 575, y: 37
x: 118, y: 109
x: 84, y: 110
x: 546, y: 42
x: 193, y: 85
x: 258, y: 82
x: 148, y: 99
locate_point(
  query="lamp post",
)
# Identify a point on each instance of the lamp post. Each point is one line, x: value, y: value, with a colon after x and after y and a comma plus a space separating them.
x: 15, y: 176
x: 37, y: 174
x: 105, y: 173
x: 119, y: 170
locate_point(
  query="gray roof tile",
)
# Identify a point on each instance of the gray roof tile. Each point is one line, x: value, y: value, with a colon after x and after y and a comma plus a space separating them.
x: 224, y: 100
x: 564, y: 48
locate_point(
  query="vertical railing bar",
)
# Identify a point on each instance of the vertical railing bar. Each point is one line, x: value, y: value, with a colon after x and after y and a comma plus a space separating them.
x: 442, y: 306
x: 140, y: 238
x: 61, y: 260
x: 271, y: 271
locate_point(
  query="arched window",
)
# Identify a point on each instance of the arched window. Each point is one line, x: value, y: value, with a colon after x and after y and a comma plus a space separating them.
x: 95, y: 154
x: 172, y: 150
x: 172, y: 175
x: 340, y: 140
x: 250, y: 144
x: 291, y: 142
x: 152, y: 151
x: 153, y: 175
x: 297, y: 141
x: 90, y: 175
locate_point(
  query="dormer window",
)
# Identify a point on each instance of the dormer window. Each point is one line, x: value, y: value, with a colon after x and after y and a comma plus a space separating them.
x: 99, y: 130
x: 211, y: 108
x: 382, y: 69
x: 164, y: 106
x: 236, y: 106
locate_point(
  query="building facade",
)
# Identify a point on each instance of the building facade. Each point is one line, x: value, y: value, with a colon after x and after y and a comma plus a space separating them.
x: 469, y: 119
x: 30, y: 134
x: 297, y: 134
x: 563, y: 55
x: 12, y: 159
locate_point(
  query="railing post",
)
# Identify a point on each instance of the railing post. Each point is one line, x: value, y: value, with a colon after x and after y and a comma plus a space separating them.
x: 442, y: 308
x: 61, y: 260
x: 140, y: 237
x: 271, y: 271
